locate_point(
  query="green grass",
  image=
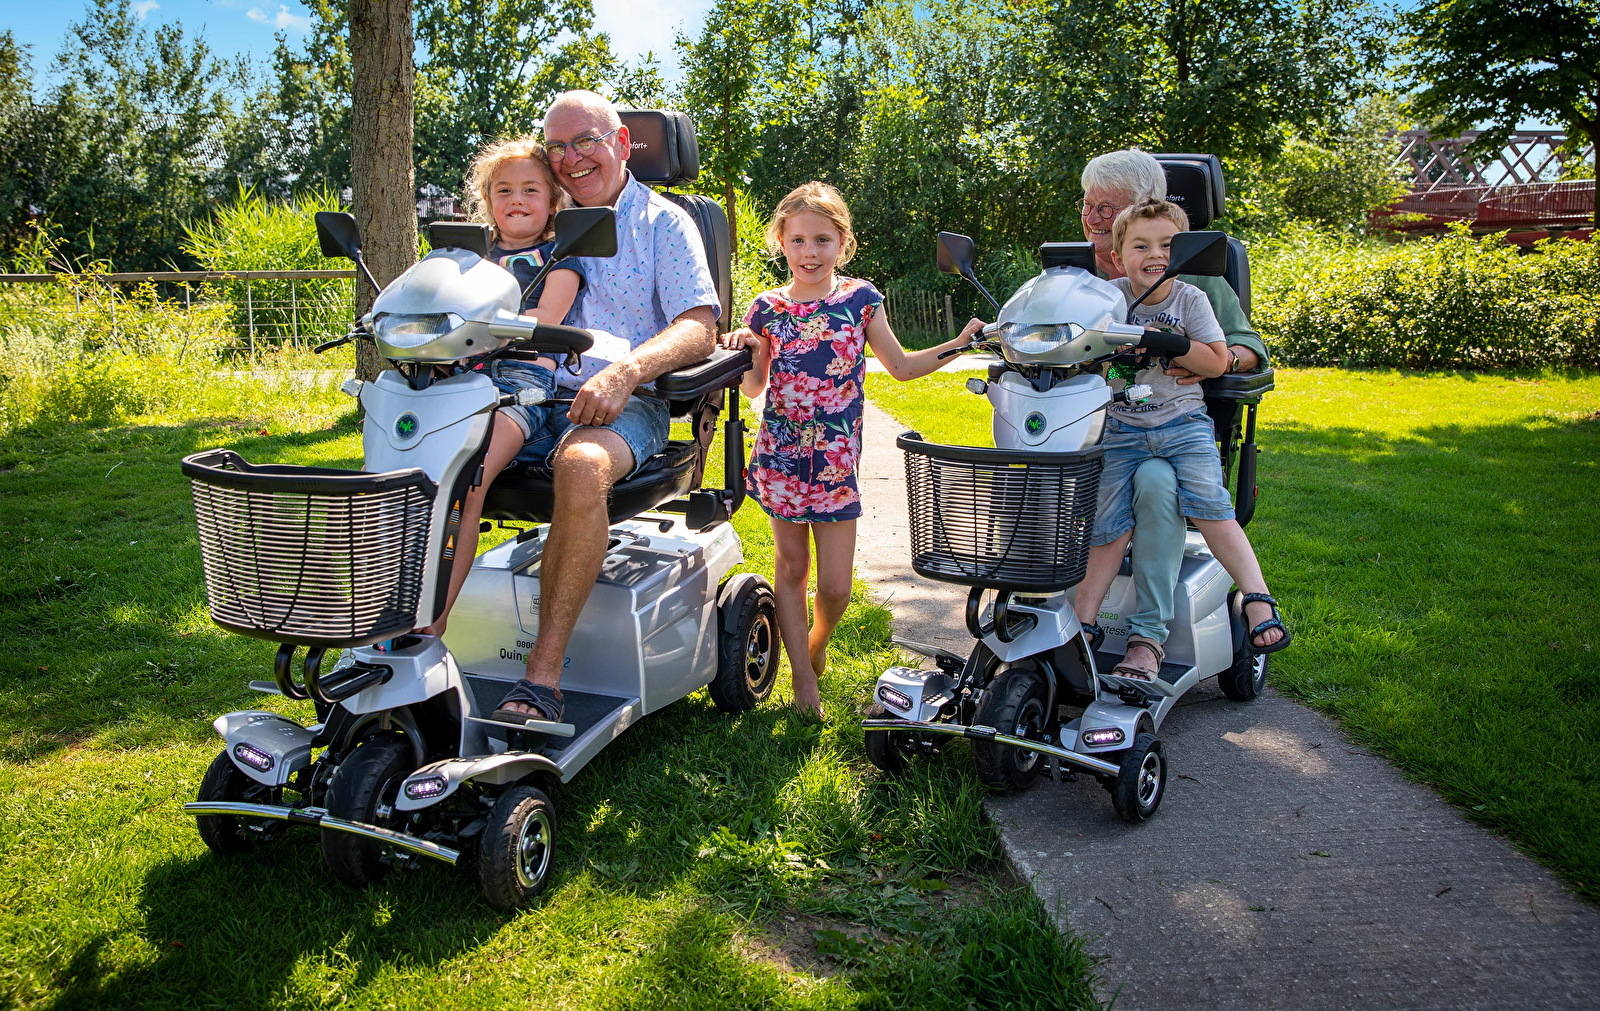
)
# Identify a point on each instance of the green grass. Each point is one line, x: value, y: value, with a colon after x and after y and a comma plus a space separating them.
x: 707, y: 862
x: 1435, y: 541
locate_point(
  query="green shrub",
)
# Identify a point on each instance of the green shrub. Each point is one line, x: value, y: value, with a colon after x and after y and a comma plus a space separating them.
x: 82, y: 350
x: 254, y: 233
x: 1448, y: 302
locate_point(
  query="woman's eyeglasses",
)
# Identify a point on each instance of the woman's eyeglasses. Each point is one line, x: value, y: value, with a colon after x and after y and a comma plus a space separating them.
x: 555, y: 150
x: 1101, y: 210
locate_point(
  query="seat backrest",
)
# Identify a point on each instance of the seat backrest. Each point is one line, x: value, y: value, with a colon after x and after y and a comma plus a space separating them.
x: 666, y: 154
x: 1194, y: 182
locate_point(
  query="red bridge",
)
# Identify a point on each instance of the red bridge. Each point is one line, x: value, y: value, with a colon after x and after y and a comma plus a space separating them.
x: 1516, y: 191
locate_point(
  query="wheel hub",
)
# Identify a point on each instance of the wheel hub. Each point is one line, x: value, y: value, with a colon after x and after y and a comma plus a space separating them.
x: 533, y: 849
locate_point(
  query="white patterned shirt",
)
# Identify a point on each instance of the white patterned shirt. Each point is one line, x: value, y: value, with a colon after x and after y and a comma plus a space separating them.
x: 658, y: 274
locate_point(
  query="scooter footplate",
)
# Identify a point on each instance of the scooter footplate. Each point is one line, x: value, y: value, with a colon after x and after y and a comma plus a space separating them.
x: 583, y: 709
x: 1169, y: 674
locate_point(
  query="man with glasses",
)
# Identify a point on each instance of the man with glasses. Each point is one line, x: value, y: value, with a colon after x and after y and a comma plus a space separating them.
x: 657, y: 294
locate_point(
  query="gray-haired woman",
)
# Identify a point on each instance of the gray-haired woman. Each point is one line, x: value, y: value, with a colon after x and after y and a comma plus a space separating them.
x: 1111, y: 182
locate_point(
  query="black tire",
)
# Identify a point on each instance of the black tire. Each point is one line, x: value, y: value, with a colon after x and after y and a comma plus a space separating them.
x: 1142, y: 781
x: 517, y: 848
x: 747, y: 646
x: 362, y: 783
x: 1015, y: 705
x: 226, y: 834
x: 1245, y: 679
x: 884, y: 748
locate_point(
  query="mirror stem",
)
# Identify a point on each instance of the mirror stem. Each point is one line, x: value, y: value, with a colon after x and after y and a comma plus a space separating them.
x: 377, y: 288
x: 984, y: 291
x: 1166, y: 275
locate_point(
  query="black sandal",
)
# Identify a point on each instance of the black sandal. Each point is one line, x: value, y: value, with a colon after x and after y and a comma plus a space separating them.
x: 1096, y: 634
x: 546, y: 704
x: 1276, y: 621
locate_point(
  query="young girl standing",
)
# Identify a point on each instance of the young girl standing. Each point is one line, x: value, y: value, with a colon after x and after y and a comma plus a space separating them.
x: 807, y: 340
x: 511, y: 188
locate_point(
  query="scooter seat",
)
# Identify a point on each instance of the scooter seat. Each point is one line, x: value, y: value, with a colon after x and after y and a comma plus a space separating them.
x: 527, y: 493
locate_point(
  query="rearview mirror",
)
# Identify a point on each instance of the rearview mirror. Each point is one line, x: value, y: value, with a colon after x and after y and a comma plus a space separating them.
x: 338, y: 235
x: 585, y: 231
x: 468, y: 235
x: 1204, y: 253
x: 957, y: 254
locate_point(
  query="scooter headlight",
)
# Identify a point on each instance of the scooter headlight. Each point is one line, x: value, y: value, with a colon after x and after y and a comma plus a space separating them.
x: 414, y: 330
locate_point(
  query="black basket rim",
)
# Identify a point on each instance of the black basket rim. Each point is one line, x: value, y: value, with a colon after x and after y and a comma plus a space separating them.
x: 913, y: 442
x: 226, y: 469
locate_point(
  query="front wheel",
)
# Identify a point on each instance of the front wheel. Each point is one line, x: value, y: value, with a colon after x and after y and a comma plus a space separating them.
x: 1137, y: 790
x: 1015, y: 705
x: 885, y: 748
x: 226, y: 834
x: 517, y: 848
x: 747, y: 645
x: 364, y: 788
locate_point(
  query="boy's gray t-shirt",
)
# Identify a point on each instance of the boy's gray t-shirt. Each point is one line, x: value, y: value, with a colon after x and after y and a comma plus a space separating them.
x: 1187, y: 311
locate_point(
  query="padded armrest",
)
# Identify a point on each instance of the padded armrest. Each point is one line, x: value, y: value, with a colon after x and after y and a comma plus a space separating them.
x: 1242, y: 386
x: 718, y: 372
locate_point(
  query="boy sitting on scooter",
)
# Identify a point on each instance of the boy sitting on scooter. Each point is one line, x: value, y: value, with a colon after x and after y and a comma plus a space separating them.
x: 1171, y: 424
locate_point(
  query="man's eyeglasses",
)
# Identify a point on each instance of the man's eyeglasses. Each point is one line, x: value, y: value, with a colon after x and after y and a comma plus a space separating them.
x: 555, y: 150
x: 1101, y: 210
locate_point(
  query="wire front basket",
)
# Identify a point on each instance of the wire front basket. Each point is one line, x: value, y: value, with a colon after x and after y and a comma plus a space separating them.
x: 308, y: 555
x: 1000, y: 518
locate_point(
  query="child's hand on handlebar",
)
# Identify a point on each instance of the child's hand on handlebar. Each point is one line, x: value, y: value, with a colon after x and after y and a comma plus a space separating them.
x: 971, y: 329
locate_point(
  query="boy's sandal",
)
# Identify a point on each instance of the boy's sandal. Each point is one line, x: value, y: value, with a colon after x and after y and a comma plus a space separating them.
x: 1096, y: 634
x: 544, y: 701
x: 1135, y: 672
x: 1275, y: 621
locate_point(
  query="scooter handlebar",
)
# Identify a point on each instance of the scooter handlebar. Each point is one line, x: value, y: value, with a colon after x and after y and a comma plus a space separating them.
x: 1161, y: 344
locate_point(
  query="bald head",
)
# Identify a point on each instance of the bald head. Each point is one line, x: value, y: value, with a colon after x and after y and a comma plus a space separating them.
x: 594, y: 179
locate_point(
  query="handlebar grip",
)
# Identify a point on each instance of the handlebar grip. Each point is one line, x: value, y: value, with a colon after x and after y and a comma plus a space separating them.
x: 1162, y: 344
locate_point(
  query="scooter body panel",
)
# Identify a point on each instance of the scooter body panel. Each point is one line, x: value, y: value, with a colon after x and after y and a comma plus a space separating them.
x: 1200, y: 632
x: 1062, y: 419
x: 648, y: 630
x: 269, y: 739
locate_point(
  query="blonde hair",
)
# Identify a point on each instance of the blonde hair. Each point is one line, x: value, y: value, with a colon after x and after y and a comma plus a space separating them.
x: 813, y: 198
x: 488, y: 161
x: 1146, y: 210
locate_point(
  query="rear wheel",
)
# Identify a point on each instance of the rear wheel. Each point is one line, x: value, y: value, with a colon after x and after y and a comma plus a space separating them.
x: 1142, y: 780
x: 1015, y: 705
x: 747, y: 646
x: 517, y: 848
x: 1245, y: 679
x: 363, y: 789
x: 226, y: 834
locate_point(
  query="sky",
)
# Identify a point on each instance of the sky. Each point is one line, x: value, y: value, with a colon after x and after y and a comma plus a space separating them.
x: 249, y: 26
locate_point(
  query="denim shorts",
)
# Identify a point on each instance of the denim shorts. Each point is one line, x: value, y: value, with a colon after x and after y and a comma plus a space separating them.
x: 643, y: 423
x: 1188, y: 443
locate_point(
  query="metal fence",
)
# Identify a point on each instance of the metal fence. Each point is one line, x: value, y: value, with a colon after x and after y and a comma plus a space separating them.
x: 269, y: 308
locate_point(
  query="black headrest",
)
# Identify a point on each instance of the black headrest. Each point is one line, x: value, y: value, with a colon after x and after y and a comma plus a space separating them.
x: 664, y: 149
x: 1194, y: 182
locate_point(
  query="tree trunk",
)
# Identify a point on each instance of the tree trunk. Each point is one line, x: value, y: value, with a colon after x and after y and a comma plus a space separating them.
x: 382, y: 80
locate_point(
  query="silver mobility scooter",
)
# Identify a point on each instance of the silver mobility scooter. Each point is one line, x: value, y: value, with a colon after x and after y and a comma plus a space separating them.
x: 1013, y: 524
x: 401, y: 761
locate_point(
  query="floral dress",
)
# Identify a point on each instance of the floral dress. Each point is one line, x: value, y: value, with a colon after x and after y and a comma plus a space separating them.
x: 804, y: 465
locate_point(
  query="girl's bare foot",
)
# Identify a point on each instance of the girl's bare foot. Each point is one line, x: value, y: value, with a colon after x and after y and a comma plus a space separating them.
x: 819, y: 659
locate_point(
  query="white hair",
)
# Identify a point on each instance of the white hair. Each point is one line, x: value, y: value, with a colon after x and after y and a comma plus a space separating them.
x: 1132, y: 172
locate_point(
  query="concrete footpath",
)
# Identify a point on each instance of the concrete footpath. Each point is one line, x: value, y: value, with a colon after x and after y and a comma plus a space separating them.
x: 1287, y: 866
